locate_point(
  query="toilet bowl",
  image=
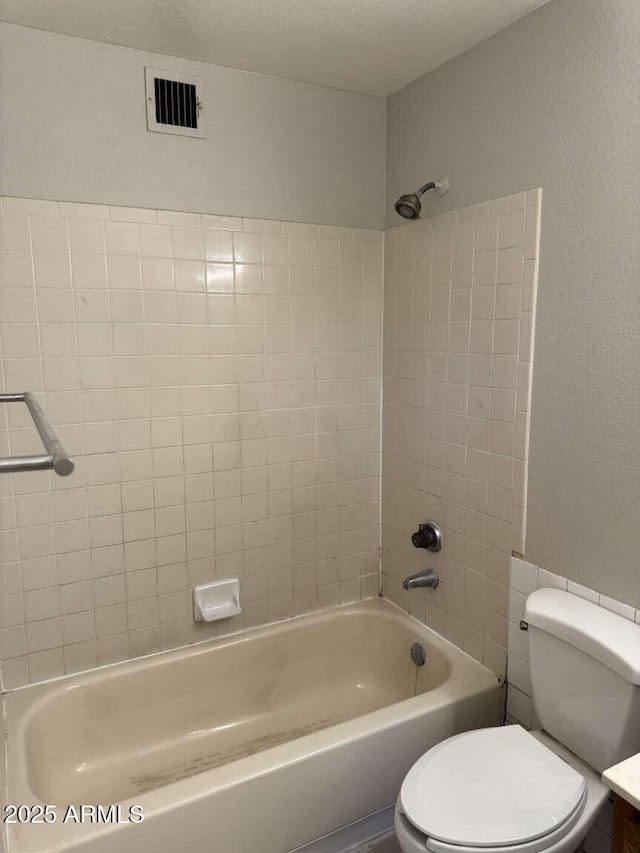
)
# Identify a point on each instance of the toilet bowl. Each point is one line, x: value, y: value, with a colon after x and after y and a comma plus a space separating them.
x: 500, y: 790
x: 506, y: 790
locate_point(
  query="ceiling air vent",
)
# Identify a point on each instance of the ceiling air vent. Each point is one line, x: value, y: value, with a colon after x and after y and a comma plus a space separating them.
x: 174, y: 103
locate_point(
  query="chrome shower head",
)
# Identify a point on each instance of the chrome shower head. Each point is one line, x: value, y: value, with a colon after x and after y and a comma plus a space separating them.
x: 409, y: 206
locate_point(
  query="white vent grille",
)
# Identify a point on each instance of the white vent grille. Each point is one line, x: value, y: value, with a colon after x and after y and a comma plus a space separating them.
x: 174, y: 103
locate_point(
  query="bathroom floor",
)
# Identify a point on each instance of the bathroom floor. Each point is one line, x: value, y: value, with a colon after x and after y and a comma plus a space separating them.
x: 387, y: 845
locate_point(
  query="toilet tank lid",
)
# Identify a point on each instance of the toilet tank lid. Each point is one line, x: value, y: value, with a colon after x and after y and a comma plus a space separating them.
x: 609, y: 638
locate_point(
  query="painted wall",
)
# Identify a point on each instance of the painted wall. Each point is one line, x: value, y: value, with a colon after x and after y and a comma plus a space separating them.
x: 553, y: 101
x: 74, y: 128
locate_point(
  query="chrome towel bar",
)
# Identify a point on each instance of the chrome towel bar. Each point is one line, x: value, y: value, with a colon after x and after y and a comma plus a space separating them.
x: 56, y: 457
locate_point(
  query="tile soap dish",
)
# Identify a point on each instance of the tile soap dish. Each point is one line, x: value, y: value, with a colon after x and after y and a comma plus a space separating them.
x: 217, y: 600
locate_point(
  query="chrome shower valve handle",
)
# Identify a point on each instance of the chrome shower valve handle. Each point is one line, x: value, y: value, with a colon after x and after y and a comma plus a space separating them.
x: 427, y: 536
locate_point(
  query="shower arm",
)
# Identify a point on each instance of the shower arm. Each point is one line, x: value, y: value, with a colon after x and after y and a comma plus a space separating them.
x: 431, y: 185
x: 441, y: 185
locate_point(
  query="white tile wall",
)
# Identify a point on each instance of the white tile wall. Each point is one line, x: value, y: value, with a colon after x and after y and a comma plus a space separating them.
x: 218, y: 382
x: 525, y: 578
x: 460, y: 293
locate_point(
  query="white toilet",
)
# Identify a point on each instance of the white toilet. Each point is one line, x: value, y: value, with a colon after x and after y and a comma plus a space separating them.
x: 506, y: 790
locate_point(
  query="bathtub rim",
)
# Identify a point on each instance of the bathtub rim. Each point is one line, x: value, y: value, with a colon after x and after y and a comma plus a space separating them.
x: 375, y: 603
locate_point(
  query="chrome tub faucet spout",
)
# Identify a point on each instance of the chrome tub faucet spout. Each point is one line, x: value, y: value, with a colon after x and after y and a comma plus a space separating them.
x: 426, y: 578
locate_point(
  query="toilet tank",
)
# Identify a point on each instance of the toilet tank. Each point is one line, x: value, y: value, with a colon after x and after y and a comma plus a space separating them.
x: 585, y: 676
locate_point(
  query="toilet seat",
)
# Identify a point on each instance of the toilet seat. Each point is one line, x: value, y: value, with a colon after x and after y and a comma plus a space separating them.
x: 492, y: 789
x: 536, y: 845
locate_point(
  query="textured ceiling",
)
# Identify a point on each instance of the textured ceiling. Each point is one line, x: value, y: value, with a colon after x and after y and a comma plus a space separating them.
x: 370, y: 46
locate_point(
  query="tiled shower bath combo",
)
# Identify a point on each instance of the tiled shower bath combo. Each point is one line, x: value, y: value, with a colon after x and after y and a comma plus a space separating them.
x: 219, y: 383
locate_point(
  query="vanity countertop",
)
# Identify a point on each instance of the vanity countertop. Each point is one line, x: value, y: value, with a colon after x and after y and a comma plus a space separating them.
x: 624, y: 779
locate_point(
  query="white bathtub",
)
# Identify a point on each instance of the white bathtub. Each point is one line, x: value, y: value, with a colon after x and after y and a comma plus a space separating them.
x: 263, y: 741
